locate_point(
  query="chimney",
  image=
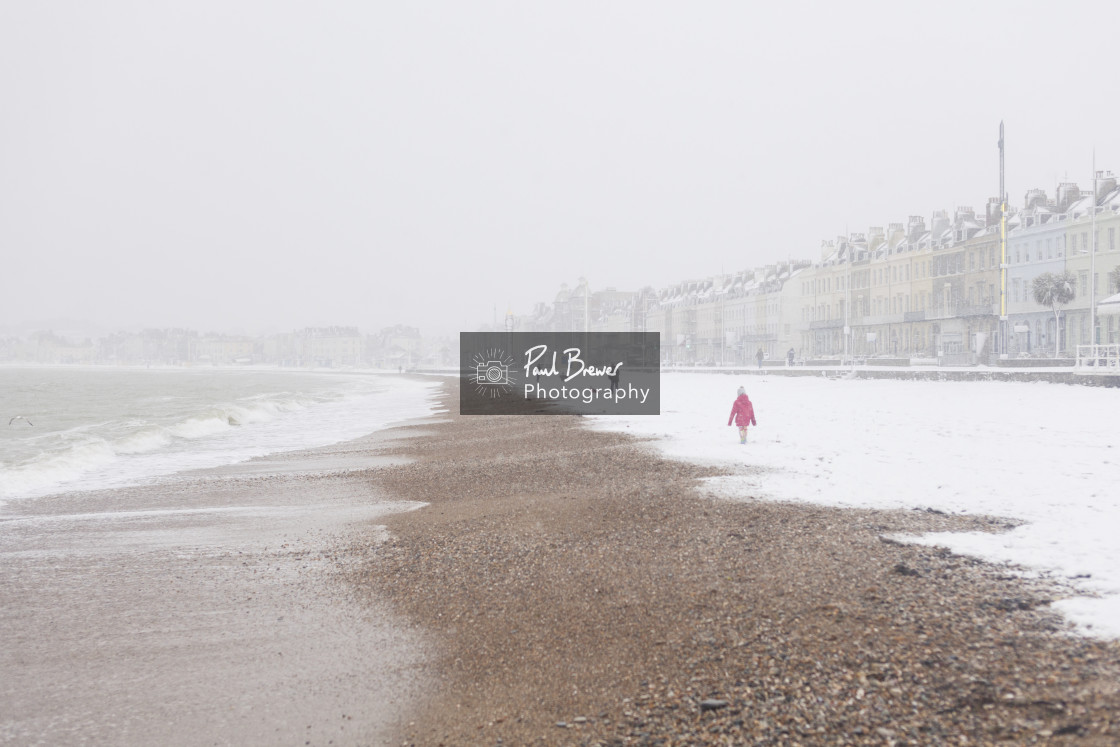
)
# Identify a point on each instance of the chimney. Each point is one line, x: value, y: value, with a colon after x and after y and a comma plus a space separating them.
x: 939, y: 223
x: 916, y: 226
x: 991, y: 212
x: 896, y: 236
x: 1068, y: 193
x: 874, y: 238
x: 1036, y: 197
x: 1106, y: 183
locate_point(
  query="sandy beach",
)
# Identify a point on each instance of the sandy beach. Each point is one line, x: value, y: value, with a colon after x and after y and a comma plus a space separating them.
x: 217, y: 622
x: 561, y: 587
x: 578, y: 589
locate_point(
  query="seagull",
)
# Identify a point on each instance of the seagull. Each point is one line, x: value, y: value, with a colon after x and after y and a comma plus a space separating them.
x: 19, y: 417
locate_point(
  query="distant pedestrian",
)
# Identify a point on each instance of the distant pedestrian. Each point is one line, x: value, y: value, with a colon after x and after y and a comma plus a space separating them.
x: 760, y: 355
x: 742, y: 413
x: 789, y: 358
x: 614, y: 380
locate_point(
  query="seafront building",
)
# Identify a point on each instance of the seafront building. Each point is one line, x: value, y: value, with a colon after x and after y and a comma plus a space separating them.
x: 1102, y: 264
x: 918, y: 290
x: 925, y: 290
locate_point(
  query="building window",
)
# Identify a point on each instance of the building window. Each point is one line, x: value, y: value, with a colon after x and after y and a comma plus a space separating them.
x: 1049, y: 249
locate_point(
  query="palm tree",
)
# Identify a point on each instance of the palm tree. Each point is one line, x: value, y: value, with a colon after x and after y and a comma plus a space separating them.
x: 1055, y: 290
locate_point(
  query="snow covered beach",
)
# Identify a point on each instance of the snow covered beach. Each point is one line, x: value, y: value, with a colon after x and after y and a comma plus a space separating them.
x: 1042, y: 454
x: 581, y: 589
x: 559, y: 587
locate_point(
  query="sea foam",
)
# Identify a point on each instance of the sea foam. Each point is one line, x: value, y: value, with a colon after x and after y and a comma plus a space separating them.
x: 165, y: 434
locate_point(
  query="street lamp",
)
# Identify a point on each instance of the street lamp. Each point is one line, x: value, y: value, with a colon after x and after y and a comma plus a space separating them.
x: 848, y: 306
x: 1093, y: 263
x: 1002, y: 253
x: 723, y: 328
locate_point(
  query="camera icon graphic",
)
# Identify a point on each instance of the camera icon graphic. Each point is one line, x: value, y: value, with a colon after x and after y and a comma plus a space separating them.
x: 493, y: 373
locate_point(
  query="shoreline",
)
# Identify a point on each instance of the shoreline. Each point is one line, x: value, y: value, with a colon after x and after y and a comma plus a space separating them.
x: 204, y: 609
x: 557, y: 575
x: 124, y: 428
x: 578, y: 589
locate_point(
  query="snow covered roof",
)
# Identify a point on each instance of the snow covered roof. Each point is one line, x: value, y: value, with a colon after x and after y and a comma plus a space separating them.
x: 1110, y: 305
x: 1081, y: 207
x: 1112, y: 200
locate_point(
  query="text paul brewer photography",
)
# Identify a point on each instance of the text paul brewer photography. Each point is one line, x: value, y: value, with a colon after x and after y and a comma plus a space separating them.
x: 603, y: 373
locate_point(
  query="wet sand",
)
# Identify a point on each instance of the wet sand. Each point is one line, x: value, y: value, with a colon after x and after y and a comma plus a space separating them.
x: 205, y: 611
x: 578, y: 589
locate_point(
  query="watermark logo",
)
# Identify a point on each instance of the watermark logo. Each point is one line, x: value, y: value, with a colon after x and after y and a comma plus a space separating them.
x: 585, y: 373
x: 492, y: 373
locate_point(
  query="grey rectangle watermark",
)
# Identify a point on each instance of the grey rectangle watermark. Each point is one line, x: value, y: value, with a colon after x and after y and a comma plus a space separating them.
x: 560, y: 373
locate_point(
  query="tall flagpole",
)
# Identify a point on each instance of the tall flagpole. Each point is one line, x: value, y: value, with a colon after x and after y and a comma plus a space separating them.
x: 1002, y: 251
x: 1093, y: 264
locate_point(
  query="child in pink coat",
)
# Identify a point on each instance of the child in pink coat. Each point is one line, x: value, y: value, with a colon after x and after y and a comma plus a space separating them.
x: 742, y: 412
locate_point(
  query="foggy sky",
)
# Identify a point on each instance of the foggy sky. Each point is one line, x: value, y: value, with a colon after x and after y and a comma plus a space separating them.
x: 265, y: 166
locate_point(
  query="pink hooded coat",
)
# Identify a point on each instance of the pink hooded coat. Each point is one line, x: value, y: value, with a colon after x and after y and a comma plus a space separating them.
x: 742, y: 412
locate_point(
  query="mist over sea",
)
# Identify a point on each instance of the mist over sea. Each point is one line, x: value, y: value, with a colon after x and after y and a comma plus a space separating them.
x: 93, y: 428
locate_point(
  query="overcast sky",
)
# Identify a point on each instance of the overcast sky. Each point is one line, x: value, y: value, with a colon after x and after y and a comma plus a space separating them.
x: 269, y: 165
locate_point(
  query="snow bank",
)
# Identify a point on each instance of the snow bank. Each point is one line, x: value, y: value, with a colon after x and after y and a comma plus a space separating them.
x: 1041, y: 453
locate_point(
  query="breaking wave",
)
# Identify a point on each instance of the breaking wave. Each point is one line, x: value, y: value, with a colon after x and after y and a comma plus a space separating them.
x: 110, y: 452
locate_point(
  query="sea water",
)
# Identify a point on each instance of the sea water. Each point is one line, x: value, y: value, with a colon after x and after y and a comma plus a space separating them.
x: 89, y: 428
x: 138, y: 613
